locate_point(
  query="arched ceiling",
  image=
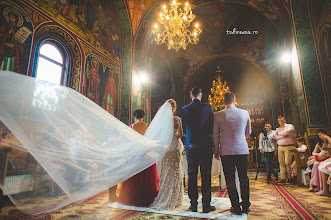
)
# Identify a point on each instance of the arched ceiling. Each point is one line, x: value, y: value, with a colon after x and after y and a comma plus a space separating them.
x: 216, y: 17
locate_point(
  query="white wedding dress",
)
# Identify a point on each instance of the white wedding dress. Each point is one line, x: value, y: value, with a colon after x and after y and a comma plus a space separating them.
x: 171, y: 190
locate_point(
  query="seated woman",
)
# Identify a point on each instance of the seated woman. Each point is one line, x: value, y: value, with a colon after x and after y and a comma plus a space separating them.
x: 142, y: 188
x: 319, y: 155
x: 3, y: 142
x: 301, y: 148
x: 325, y: 171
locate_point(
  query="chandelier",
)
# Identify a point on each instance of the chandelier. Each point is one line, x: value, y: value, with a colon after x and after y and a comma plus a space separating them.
x: 217, y: 91
x: 175, y: 23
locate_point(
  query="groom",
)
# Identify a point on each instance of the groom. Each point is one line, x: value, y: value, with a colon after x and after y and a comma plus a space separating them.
x: 233, y: 125
x: 197, y: 120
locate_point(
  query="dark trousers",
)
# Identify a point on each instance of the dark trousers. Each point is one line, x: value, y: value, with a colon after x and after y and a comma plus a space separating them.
x: 202, y: 158
x: 268, y: 160
x: 230, y: 162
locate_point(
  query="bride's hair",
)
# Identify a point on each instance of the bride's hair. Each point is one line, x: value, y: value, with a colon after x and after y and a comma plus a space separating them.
x: 173, y: 104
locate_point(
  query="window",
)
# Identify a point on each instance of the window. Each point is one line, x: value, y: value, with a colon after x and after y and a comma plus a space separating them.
x: 51, y: 63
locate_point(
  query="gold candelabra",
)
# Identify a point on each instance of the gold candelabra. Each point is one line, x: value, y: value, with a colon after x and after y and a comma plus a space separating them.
x: 175, y: 23
x: 217, y: 91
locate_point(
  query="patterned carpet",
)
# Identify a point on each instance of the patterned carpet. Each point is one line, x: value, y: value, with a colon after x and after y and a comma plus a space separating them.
x: 271, y: 201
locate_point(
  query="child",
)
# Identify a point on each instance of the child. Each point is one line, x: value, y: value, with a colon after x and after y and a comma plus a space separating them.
x: 318, y: 155
x: 301, y: 148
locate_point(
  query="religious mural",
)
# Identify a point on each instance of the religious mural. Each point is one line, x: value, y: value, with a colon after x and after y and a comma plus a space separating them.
x: 93, y: 71
x: 256, y: 55
x: 325, y: 56
x: 137, y: 9
x: 228, y: 17
x: 15, y: 37
x: 257, y: 111
x: 313, y: 87
x: 110, y: 97
x: 95, y: 21
x: 321, y: 19
x: 101, y: 84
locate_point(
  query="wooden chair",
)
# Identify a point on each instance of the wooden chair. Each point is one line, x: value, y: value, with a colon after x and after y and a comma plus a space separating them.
x: 4, y: 164
x: 17, y: 168
x: 300, y: 159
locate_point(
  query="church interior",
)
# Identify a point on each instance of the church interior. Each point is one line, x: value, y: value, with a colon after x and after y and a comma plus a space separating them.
x: 275, y: 55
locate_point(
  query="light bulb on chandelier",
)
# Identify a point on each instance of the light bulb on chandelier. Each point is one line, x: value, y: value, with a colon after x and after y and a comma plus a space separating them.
x: 174, y: 24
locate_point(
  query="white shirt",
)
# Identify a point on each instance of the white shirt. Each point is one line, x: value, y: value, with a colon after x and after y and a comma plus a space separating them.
x: 267, y: 143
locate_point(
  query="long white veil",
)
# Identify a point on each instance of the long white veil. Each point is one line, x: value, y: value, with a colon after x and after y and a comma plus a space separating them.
x: 78, y: 149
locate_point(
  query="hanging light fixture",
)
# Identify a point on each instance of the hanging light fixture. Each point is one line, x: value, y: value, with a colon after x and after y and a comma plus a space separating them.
x: 173, y: 30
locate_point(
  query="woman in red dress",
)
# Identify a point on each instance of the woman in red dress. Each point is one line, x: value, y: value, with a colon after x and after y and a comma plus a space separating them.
x: 142, y: 188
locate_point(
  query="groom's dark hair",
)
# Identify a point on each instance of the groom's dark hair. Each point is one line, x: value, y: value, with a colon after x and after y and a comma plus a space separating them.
x: 195, y: 91
x: 229, y: 97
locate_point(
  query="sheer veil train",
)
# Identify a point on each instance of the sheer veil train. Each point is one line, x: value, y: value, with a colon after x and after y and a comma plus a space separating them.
x: 68, y: 135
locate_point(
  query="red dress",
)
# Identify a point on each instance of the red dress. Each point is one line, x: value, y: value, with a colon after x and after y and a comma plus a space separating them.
x: 141, y: 189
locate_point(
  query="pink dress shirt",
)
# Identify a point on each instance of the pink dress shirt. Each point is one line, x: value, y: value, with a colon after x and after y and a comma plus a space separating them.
x: 285, y: 135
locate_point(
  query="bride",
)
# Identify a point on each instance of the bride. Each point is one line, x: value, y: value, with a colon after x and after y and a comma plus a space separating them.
x: 171, y: 189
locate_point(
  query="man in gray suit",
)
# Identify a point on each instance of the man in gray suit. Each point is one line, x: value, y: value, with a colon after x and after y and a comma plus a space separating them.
x: 231, y: 128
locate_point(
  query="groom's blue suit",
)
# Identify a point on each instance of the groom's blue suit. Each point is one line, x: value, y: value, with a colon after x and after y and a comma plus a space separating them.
x: 197, y: 120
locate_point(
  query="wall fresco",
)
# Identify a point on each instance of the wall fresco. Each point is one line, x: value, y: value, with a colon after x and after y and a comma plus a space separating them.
x: 110, y: 97
x: 93, y: 71
x: 16, y: 32
x: 95, y: 21
x: 310, y: 70
x: 321, y: 19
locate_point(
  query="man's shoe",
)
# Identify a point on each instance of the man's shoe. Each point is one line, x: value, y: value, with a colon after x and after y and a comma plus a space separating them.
x: 235, y: 211
x: 209, y: 209
x: 245, y: 210
x: 193, y: 208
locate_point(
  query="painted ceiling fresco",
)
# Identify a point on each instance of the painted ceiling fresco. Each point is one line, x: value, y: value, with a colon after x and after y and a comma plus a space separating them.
x: 214, y: 38
x: 137, y: 9
x: 95, y: 21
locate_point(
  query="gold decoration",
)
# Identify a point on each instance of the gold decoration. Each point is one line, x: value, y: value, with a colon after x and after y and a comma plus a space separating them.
x: 217, y: 93
x: 13, y: 11
x: 175, y: 23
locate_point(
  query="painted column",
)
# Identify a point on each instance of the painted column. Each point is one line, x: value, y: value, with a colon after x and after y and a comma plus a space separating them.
x: 273, y: 76
x: 315, y: 99
x: 126, y: 62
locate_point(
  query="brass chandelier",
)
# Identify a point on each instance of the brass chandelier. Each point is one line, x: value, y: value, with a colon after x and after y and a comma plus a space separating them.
x: 175, y: 23
x: 218, y: 91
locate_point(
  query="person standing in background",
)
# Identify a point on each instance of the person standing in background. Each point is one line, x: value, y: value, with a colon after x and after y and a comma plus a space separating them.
x: 266, y: 147
x: 284, y: 136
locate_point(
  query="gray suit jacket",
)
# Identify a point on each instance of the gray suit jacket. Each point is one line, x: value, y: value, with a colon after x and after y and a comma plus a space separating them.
x: 231, y: 128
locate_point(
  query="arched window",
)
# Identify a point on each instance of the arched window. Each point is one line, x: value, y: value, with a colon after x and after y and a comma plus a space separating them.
x: 51, y: 64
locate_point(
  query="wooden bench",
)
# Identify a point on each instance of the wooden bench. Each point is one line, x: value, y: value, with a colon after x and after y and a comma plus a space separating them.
x: 301, y: 159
